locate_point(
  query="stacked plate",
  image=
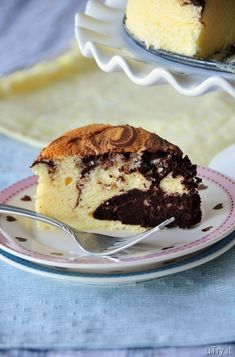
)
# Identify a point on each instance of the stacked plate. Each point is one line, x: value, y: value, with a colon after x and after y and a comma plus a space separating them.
x: 51, y: 253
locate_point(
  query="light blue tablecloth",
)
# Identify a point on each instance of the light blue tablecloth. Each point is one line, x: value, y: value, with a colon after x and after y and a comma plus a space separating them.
x: 192, y: 308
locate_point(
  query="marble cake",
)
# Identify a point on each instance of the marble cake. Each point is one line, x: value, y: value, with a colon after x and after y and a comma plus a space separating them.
x: 116, y: 177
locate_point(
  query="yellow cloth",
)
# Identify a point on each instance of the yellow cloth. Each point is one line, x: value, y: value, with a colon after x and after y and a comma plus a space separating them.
x: 39, y: 104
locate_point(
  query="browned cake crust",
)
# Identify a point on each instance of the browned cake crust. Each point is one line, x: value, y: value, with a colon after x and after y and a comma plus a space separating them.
x: 99, y: 139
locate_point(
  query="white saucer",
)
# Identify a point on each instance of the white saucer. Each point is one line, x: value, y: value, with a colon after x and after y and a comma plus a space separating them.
x: 52, y: 248
x: 100, y: 34
x: 121, y: 278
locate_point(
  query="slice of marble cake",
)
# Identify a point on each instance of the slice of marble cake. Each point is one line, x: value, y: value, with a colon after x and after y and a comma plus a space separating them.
x: 116, y: 177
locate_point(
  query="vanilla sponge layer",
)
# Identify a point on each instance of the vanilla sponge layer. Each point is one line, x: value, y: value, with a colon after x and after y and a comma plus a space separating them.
x: 71, y: 198
x: 183, y: 28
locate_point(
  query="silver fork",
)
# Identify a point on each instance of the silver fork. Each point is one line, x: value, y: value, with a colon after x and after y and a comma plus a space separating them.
x: 90, y: 243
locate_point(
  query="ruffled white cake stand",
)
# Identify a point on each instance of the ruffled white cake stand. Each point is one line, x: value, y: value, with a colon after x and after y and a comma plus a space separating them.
x: 100, y: 34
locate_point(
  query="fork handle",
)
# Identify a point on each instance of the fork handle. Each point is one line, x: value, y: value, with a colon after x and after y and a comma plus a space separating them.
x: 30, y: 214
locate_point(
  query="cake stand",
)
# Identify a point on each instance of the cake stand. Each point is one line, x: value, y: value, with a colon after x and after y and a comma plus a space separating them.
x: 101, y: 35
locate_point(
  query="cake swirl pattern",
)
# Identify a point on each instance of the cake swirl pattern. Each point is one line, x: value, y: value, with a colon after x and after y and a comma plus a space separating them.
x: 99, y: 139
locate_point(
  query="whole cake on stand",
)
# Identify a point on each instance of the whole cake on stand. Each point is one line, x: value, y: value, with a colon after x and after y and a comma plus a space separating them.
x: 188, y: 27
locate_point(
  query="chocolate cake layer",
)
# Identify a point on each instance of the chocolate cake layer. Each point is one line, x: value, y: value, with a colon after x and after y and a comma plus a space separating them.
x: 194, y: 2
x: 50, y: 164
x: 150, y: 208
x: 153, y: 166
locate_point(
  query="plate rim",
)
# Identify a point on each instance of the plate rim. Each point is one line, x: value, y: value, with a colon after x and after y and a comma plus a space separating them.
x: 155, y: 75
x: 28, y: 182
x: 123, y: 278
